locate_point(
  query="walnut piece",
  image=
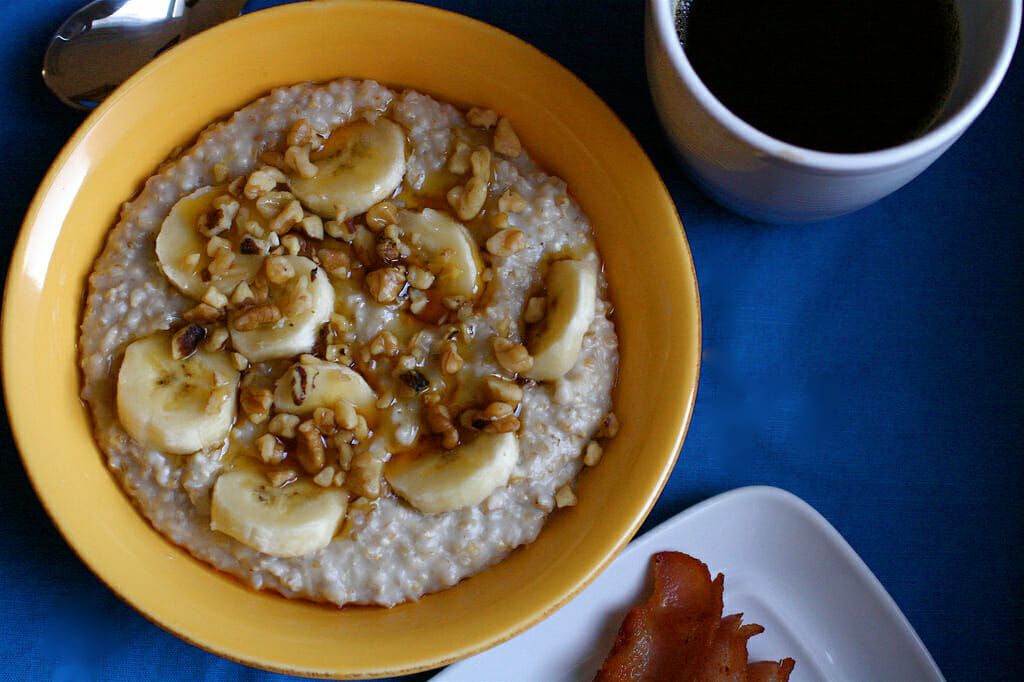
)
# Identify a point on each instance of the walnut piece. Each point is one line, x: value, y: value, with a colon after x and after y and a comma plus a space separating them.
x: 385, y: 284
x: 511, y: 356
x: 256, y: 402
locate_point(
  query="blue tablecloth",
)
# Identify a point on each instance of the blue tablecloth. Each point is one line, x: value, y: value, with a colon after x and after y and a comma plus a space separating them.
x: 870, y: 364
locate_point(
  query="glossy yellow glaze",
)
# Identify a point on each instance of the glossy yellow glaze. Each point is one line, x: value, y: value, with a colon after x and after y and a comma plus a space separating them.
x: 561, y: 122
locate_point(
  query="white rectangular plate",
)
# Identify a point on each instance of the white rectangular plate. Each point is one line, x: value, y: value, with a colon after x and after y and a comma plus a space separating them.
x: 785, y: 567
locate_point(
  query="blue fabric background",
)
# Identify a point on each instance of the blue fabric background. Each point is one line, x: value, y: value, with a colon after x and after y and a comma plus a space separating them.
x: 870, y: 364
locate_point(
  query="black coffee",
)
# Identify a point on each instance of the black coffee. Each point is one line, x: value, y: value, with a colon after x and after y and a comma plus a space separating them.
x: 833, y: 75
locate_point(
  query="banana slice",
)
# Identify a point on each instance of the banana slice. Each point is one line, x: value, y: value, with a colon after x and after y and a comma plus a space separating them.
x: 179, y: 242
x: 296, y: 330
x: 359, y: 165
x: 309, y: 385
x: 571, y: 292
x: 446, y: 247
x: 452, y: 479
x: 291, y: 521
x: 175, y: 406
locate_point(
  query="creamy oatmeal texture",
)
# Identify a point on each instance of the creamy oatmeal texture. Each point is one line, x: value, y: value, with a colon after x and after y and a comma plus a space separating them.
x: 368, y: 354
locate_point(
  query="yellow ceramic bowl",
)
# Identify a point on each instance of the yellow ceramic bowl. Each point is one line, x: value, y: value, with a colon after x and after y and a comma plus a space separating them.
x: 563, y: 124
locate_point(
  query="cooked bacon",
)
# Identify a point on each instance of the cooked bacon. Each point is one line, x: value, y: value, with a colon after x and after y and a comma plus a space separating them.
x: 770, y: 671
x: 727, y: 657
x: 668, y: 638
x: 679, y: 635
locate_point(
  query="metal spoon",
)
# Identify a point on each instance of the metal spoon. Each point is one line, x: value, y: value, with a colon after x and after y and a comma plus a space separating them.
x: 105, y: 42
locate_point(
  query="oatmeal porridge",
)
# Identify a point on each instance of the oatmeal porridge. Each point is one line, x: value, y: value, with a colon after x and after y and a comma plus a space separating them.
x: 353, y: 345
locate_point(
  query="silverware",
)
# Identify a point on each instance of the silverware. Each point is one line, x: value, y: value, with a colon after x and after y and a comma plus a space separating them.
x: 105, y: 42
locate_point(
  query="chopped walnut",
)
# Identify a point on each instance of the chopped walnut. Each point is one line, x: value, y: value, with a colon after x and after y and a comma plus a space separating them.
x: 467, y: 201
x: 592, y: 454
x: 386, y: 400
x: 458, y: 162
x: 340, y: 229
x: 216, y: 338
x: 300, y: 133
x: 480, y: 160
x: 345, y: 415
x: 417, y: 301
x: 263, y: 180
x: 420, y: 278
x: 312, y: 454
x: 313, y: 226
x: 381, y: 215
x: 506, y: 242
x: 242, y: 295
x: 219, y: 219
x: 203, y: 314
x: 239, y: 362
x: 335, y: 261
x: 272, y: 203
x: 297, y: 158
x: 272, y: 157
x: 236, y: 186
x: 451, y: 361
x: 256, y: 402
x: 439, y: 421
x: 340, y: 324
x: 503, y: 390
x: 219, y: 249
x: 507, y: 424
x: 278, y: 269
x: 511, y: 201
x: 282, y: 477
x: 390, y: 250
x: 362, y: 430
x: 214, y: 298
x: 482, y: 118
x: 257, y: 316
x: 385, y: 343
x: 385, y: 284
x: 325, y: 477
x: 292, y: 243
x: 270, y: 449
x: 512, y: 356
x: 337, y: 353
x: 323, y: 418
x: 186, y: 341
x: 565, y: 497
x: 365, y: 473
x: 342, y: 443
x: 506, y: 142
x: 497, y: 417
x: 287, y: 218
x: 283, y: 424
x: 495, y: 410
x: 535, y: 309
x: 500, y: 220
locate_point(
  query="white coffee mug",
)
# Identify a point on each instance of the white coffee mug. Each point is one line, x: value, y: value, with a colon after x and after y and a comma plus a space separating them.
x: 767, y: 179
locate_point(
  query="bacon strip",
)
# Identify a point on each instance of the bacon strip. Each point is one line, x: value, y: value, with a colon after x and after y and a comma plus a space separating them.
x: 679, y: 635
x: 668, y: 637
x: 727, y: 657
x: 770, y: 671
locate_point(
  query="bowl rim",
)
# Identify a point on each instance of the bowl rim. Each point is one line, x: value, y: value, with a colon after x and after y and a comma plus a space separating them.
x: 13, y: 287
x: 937, y: 137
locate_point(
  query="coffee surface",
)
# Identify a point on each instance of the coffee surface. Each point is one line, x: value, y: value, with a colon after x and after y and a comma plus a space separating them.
x: 831, y: 75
